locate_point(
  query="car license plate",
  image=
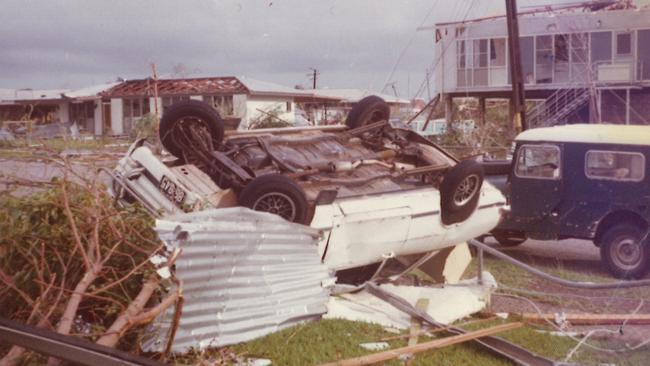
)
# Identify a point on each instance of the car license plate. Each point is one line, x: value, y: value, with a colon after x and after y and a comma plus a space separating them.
x: 172, y: 191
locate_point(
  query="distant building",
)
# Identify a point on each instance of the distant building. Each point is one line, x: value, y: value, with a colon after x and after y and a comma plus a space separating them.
x: 583, y: 66
x: 114, y: 108
x: 81, y: 106
x: 239, y: 100
x: 436, y: 127
x: 333, y: 105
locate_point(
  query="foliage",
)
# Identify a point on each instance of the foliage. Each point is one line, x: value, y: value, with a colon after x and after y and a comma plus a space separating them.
x: 268, y: 119
x: 146, y: 127
x: 493, y: 137
x: 40, y: 262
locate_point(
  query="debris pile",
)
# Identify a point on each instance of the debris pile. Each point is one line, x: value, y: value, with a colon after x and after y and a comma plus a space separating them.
x: 243, y: 274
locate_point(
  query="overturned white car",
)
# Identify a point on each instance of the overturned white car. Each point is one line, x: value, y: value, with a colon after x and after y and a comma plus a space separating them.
x: 371, y: 187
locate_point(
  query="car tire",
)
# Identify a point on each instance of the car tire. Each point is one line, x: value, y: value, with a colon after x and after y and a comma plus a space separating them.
x: 277, y: 194
x: 506, y: 239
x: 459, y: 191
x: 368, y: 110
x: 621, y: 252
x: 189, y: 114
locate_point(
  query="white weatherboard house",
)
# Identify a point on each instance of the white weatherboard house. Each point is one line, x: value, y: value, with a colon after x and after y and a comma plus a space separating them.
x: 585, y: 65
x: 81, y: 106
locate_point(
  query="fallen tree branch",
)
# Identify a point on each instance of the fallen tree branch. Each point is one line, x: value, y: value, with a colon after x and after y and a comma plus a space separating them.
x: 125, y: 320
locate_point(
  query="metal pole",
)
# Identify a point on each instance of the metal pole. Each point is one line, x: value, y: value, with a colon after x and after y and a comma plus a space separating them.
x: 479, y: 252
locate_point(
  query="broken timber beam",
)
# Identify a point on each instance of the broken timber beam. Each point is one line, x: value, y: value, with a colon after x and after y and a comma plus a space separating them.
x: 438, y: 343
x: 590, y: 319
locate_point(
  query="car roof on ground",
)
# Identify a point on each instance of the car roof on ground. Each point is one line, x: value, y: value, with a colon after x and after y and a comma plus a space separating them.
x: 590, y: 133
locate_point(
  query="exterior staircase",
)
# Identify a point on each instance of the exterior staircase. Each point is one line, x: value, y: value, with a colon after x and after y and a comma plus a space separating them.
x: 557, y: 107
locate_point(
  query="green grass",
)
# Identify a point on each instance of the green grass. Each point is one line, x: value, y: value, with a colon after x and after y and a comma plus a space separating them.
x: 331, y: 340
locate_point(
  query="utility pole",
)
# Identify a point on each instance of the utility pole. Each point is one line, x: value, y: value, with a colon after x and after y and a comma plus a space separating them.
x: 518, y: 97
x: 314, y: 76
x: 155, y: 89
x: 392, y: 85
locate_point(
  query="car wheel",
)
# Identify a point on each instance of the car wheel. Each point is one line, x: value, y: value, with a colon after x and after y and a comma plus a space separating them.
x: 509, y: 239
x: 368, y: 110
x: 276, y: 194
x: 622, y: 252
x: 190, y: 125
x: 460, y: 190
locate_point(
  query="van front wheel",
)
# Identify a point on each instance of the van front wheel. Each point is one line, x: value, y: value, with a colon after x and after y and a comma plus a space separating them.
x: 623, y: 253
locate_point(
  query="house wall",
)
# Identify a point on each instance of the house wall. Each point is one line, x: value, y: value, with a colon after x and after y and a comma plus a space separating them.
x: 446, y: 71
x: 117, y: 123
x: 239, y: 105
x: 267, y: 104
x: 99, y: 130
x: 152, y: 106
x: 63, y: 111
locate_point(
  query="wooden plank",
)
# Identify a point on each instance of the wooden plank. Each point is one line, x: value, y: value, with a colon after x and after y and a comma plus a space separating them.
x: 416, y: 324
x: 438, y: 330
x: 591, y: 319
x: 438, y: 343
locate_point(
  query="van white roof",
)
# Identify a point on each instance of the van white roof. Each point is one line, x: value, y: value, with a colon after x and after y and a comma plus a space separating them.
x: 590, y: 133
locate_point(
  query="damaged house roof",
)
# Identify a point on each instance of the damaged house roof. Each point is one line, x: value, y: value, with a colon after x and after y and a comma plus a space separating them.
x: 90, y: 92
x: 145, y: 87
x: 221, y: 85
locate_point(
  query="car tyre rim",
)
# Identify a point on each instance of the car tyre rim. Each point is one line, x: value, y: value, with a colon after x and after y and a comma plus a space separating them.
x: 626, y: 253
x: 466, y: 190
x: 276, y: 203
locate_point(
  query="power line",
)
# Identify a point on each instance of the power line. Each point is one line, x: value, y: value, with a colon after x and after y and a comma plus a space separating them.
x: 439, y: 58
x: 408, y: 45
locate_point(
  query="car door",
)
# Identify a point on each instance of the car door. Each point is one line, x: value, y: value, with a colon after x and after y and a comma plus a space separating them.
x: 536, y: 189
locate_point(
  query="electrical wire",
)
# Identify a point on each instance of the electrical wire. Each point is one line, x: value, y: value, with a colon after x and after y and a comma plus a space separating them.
x: 408, y: 45
x: 439, y: 57
x: 580, y: 341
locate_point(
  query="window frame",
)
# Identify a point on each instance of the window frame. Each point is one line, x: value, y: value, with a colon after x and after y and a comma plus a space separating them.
x: 614, y: 179
x: 616, y: 45
x: 524, y: 146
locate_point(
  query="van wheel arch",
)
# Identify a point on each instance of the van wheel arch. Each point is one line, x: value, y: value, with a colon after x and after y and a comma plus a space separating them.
x: 615, y: 218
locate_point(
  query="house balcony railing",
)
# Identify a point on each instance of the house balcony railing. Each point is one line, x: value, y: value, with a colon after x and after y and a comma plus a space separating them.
x: 583, y: 76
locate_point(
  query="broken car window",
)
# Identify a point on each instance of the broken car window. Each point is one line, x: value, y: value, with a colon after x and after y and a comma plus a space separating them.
x: 615, y: 165
x: 538, y: 161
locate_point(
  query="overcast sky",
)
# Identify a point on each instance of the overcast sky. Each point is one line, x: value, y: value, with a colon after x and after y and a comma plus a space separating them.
x: 352, y: 43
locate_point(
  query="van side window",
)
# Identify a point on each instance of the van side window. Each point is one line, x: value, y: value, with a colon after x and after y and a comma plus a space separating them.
x: 538, y: 161
x: 615, y: 165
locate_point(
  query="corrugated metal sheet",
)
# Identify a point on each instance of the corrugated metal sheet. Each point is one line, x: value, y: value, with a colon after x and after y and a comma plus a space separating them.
x: 244, y: 274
